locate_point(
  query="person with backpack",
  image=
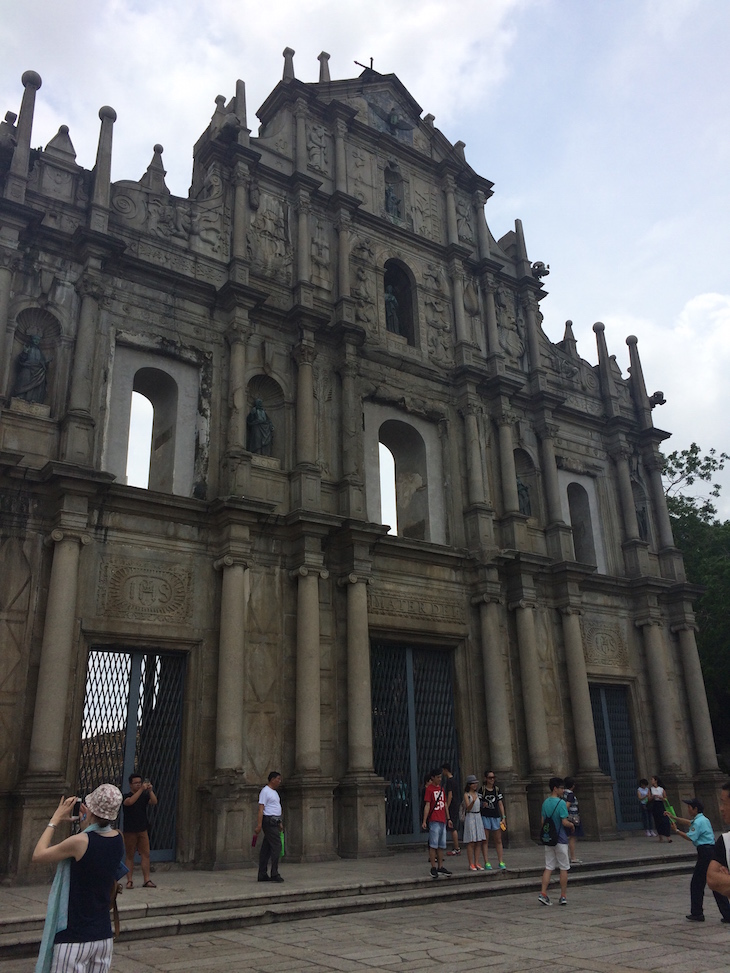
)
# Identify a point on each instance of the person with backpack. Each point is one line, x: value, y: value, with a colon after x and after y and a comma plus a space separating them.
x: 554, y: 828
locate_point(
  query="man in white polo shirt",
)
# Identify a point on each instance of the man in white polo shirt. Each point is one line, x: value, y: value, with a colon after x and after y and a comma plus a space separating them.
x: 270, y: 822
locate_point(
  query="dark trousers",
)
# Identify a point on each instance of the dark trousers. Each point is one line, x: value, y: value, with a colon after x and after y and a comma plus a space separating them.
x: 705, y: 854
x: 271, y: 845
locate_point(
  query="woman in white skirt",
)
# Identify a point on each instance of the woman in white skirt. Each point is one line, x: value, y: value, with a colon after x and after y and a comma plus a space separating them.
x: 473, y: 827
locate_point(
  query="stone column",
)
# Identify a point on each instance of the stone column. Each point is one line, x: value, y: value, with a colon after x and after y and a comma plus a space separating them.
x: 304, y: 256
x: 493, y: 345
x: 49, y: 742
x: 305, y: 445
x: 475, y: 473
x: 662, y: 695
x: 550, y: 472
x: 359, y: 698
x: 529, y: 305
x: 659, y: 501
x: 697, y: 698
x: 239, y: 248
x: 99, y: 214
x: 237, y: 336
x: 452, y: 227
x: 307, y: 714
x: 510, y: 498
x: 340, y: 157
x: 535, y: 720
x: 343, y: 226
x: 496, y: 686
x: 91, y: 293
x: 457, y: 279
x: 7, y: 266
x: 580, y: 697
x: 17, y: 177
x: 300, y: 115
x: 621, y: 455
x: 231, y: 651
x: 482, y: 229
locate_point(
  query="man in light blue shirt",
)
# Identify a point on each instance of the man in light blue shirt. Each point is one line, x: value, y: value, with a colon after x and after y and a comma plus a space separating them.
x: 702, y: 836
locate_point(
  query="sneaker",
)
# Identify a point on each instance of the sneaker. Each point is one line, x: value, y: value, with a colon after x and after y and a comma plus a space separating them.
x: 724, y: 919
x: 576, y: 861
x: 544, y: 900
x: 473, y: 868
x: 563, y: 900
x: 444, y: 871
x: 479, y: 868
x: 264, y: 878
x: 434, y: 873
x: 276, y: 878
x: 455, y: 851
x: 488, y: 867
x: 502, y: 865
x: 696, y: 918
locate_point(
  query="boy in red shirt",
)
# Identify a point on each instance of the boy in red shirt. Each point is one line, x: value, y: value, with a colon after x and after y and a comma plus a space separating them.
x: 435, y: 819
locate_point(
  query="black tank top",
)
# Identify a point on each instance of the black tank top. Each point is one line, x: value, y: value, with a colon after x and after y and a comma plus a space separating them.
x: 88, y: 899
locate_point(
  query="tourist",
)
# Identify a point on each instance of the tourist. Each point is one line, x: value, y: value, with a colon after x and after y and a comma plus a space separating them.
x: 435, y: 820
x: 574, y: 817
x: 449, y: 782
x: 491, y: 808
x: 77, y: 937
x: 642, y: 794
x: 701, y: 835
x: 718, y: 874
x: 658, y: 799
x: 136, y: 836
x: 473, y: 827
x: 556, y: 856
x: 270, y: 822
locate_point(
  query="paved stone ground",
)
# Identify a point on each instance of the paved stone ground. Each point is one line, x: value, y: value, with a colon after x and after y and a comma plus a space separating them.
x: 614, y: 928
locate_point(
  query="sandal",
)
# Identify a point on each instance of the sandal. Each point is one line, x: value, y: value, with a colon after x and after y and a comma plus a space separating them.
x: 149, y: 884
x: 130, y: 885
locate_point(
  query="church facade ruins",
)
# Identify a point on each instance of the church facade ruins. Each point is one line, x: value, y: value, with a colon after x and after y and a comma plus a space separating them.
x: 328, y: 288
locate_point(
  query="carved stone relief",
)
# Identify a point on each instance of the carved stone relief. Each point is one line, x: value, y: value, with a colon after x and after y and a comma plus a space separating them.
x: 511, y: 327
x: 439, y: 331
x: 320, y: 252
x: 604, y: 643
x: 363, y: 290
x: 144, y: 590
x: 269, y: 239
x: 464, y: 220
x: 317, y: 148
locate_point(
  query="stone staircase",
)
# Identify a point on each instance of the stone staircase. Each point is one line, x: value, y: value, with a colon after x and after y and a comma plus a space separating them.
x: 20, y: 936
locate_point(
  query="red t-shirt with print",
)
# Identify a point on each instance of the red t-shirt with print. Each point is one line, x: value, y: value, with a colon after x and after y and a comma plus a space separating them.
x: 436, y: 799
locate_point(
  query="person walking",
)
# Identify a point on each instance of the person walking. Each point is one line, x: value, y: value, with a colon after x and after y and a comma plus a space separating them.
x: 138, y: 798
x: 271, y: 823
x: 574, y: 817
x: 556, y: 856
x: 77, y: 937
x: 702, y: 836
x: 449, y: 782
x: 435, y: 821
x: 642, y: 795
x: 473, y: 827
x: 658, y: 798
x: 491, y: 808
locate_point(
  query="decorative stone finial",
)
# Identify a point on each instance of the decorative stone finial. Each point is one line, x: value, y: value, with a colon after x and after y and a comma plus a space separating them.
x: 429, y: 119
x: 288, y: 53
x: 459, y: 150
x: 154, y: 178
x: 106, y: 112
x: 324, y: 68
x: 31, y: 79
x: 599, y: 326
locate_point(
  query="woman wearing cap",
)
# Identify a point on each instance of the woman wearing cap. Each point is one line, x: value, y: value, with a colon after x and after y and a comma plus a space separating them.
x: 473, y: 827
x: 78, y: 936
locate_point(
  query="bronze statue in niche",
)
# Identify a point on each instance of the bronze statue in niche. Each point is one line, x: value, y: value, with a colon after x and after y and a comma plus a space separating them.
x: 260, y: 430
x: 32, y: 370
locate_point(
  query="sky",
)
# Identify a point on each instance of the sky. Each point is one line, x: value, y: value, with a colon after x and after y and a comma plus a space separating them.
x: 602, y: 123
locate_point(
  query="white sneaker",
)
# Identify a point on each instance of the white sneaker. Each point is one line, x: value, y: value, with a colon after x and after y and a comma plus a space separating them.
x: 544, y: 899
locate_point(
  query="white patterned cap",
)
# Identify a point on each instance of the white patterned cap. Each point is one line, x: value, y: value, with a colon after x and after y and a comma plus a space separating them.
x: 105, y: 801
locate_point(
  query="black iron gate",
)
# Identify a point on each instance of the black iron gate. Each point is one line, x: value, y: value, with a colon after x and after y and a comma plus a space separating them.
x: 615, y: 742
x: 133, y: 723
x: 413, y: 728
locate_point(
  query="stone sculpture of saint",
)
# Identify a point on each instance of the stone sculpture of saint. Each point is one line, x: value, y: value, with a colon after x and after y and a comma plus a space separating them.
x: 32, y: 366
x: 392, y: 203
x: 392, y: 323
x: 523, y: 497
x: 260, y: 430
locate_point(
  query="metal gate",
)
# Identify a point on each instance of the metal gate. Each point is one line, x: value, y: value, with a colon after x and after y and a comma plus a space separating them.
x: 610, y: 706
x: 413, y: 728
x: 132, y: 723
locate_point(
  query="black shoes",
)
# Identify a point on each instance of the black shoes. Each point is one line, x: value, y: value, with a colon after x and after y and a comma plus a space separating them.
x: 696, y: 918
x: 434, y: 873
x: 444, y: 871
x: 276, y: 878
x: 264, y: 878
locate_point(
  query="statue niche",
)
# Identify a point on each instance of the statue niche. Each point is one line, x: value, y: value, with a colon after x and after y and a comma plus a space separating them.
x: 266, y: 421
x: 260, y: 430
x: 31, y: 372
x: 398, y: 298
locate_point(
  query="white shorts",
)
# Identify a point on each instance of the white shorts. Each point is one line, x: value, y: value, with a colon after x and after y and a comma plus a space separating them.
x: 556, y: 856
x: 93, y: 957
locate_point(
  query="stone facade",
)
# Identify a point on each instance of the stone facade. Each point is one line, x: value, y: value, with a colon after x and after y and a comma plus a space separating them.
x: 338, y: 268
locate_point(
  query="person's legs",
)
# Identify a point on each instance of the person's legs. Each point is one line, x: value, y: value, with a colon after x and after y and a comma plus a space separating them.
x: 563, y: 883
x: 563, y: 861
x: 470, y: 853
x: 130, y: 846
x: 699, y: 878
x: 546, y: 880
x: 455, y: 841
x: 723, y: 904
x: 498, y: 844
x: 264, y: 855
x: 550, y: 863
x: 273, y: 837
x: 143, y: 846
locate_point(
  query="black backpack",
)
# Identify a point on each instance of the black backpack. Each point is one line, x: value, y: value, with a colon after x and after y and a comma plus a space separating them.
x: 548, y: 830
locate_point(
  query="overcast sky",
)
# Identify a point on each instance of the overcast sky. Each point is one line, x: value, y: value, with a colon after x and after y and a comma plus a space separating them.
x: 602, y: 123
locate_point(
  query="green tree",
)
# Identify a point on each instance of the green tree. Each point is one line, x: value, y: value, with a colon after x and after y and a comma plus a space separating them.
x: 705, y: 544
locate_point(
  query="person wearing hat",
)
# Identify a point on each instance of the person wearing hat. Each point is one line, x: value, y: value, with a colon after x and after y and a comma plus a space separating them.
x: 78, y: 934
x: 701, y: 835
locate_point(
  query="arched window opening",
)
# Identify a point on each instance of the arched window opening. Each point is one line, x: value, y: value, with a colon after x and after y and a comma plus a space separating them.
x: 399, y: 301
x: 582, y: 524
x: 526, y: 483
x: 388, y: 506
x: 161, y: 390
x: 411, y: 483
x: 139, y: 446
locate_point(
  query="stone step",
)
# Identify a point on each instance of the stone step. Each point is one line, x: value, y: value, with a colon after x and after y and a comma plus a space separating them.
x: 20, y: 937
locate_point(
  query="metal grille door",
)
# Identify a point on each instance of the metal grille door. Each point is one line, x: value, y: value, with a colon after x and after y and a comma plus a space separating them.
x: 413, y: 728
x: 616, y: 750
x: 133, y: 723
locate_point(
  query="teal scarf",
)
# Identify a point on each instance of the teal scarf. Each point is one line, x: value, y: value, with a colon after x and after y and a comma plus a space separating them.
x: 57, y: 913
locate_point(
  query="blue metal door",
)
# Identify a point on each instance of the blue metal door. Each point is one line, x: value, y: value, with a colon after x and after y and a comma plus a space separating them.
x: 610, y: 706
x: 133, y: 724
x: 413, y: 728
